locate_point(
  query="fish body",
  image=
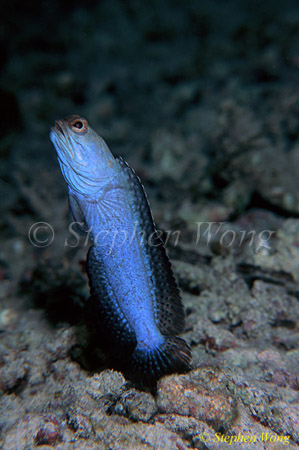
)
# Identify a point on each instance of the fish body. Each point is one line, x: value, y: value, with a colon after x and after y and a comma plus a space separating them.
x: 135, y: 301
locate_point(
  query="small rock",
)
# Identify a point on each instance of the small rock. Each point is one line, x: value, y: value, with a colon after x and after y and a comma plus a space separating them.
x: 136, y: 405
x: 13, y: 371
x: 106, y: 387
x: 80, y: 424
x: 8, y: 316
x: 49, y: 433
x: 185, y: 395
x: 33, y: 430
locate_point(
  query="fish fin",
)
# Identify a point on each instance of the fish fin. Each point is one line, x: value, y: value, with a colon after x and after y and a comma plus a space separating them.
x: 169, y: 310
x: 174, y: 355
x: 108, y: 319
x: 76, y: 215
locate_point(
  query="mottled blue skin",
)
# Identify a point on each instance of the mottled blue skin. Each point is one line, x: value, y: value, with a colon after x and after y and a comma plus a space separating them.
x: 100, y: 195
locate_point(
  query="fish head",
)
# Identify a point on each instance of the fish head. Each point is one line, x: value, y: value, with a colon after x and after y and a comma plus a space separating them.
x: 85, y: 159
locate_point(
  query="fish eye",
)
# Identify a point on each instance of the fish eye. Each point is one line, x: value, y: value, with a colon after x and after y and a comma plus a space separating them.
x: 79, y: 125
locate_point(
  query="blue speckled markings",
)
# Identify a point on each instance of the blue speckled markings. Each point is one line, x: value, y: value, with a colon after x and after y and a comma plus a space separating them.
x: 135, y: 303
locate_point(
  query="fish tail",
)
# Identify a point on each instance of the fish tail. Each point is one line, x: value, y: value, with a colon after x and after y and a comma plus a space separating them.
x: 173, y: 355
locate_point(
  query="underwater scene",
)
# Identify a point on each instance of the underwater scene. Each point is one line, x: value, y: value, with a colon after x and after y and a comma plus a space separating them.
x: 149, y: 258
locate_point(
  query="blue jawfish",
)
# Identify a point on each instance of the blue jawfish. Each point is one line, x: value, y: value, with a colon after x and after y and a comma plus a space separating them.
x: 135, y: 302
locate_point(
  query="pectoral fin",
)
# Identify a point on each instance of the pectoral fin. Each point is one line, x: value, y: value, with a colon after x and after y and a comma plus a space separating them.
x: 76, y: 215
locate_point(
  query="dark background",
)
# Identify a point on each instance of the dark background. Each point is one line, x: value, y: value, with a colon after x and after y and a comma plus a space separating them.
x: 202, y: 99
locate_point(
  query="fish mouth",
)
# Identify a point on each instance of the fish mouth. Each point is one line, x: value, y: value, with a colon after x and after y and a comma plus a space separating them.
x: 60, y: 132
x: 58, y: 128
